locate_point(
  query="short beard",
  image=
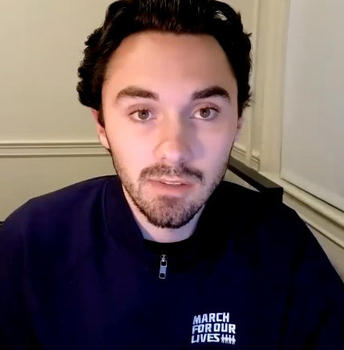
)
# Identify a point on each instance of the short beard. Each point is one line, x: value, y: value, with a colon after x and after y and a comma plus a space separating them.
x: 166, y: 211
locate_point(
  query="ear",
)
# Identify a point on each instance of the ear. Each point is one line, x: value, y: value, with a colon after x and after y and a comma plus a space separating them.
x: 239, y: 126
x: 100, y: 129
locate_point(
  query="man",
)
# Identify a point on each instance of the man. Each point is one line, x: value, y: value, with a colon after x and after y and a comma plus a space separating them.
x: 166, y: 255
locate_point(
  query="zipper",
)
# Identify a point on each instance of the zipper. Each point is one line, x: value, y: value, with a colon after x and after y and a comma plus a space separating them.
x: 163, y: 266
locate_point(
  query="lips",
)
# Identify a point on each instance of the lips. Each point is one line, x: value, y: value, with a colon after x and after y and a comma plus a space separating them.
x: 175, y: 187
x: 173, y: 182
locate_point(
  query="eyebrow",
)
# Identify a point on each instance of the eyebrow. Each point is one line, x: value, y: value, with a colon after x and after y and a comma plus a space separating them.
x: 135, y: 91
x: 212, y: 91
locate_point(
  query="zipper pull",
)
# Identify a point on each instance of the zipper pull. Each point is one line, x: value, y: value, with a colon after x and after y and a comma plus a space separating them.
x: 163, y: 266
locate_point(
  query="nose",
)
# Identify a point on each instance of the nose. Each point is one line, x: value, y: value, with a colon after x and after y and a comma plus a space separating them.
x: 174, y: 141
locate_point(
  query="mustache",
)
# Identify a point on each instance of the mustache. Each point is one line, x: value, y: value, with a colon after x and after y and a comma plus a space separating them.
x: 165, y: 170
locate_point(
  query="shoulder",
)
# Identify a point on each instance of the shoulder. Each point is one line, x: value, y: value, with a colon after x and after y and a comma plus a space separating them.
x: 260, y: 224
x: 52, y: 226
x: 273, y: 237
x: 59, y: 206
x: 76, y: 193
x: 252, y: 204
x: 249, y: 205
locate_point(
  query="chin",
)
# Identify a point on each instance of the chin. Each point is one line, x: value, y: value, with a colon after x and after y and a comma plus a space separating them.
x: 167, y: 212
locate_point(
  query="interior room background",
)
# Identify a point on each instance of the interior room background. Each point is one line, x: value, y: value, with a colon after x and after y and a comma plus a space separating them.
x: 293, y: 132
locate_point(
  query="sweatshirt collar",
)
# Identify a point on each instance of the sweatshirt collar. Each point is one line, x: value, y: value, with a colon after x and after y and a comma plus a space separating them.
x: 122, y: 226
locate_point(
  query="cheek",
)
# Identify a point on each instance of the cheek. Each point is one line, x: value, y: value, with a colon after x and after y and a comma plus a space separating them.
x: 218, y: 144
x: 218, y: 151
x: 130, y: 152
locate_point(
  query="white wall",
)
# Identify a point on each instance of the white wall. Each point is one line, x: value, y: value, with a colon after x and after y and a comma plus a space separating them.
x: 313, y: 123
x: 41, y: 45
x: 313, y: 119
x: 47, y: 139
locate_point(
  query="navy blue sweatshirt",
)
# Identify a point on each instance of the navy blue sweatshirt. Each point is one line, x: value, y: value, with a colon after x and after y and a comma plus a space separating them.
x: 76, y: 273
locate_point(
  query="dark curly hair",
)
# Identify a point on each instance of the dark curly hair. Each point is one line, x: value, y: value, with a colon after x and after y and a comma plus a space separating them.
x: 126, y: 17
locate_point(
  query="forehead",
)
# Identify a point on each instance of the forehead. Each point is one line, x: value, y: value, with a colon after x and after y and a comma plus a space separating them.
x: 157, y: 59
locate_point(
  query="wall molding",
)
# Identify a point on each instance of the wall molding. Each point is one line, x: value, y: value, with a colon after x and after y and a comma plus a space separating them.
x: 240, y: 153
x: 326, y: 219
x: 90, y: 148
x: 269, y: 88
x: 56, y: 148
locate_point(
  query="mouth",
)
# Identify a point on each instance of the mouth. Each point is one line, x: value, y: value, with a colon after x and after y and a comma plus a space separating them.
x: 172, y: 182
x: 171, y: 186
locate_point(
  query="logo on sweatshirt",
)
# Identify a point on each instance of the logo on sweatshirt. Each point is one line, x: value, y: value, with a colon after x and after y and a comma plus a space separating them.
x: 213, y: 328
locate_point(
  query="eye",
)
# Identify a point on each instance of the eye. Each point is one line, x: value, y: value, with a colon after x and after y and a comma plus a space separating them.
x: 142, y: 115
x: 206, y: 113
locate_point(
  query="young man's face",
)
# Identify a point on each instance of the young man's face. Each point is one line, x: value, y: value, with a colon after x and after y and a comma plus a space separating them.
x: 170, y: 109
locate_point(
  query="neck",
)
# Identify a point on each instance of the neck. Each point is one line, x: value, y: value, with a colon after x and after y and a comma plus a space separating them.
x: 158, y: 234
